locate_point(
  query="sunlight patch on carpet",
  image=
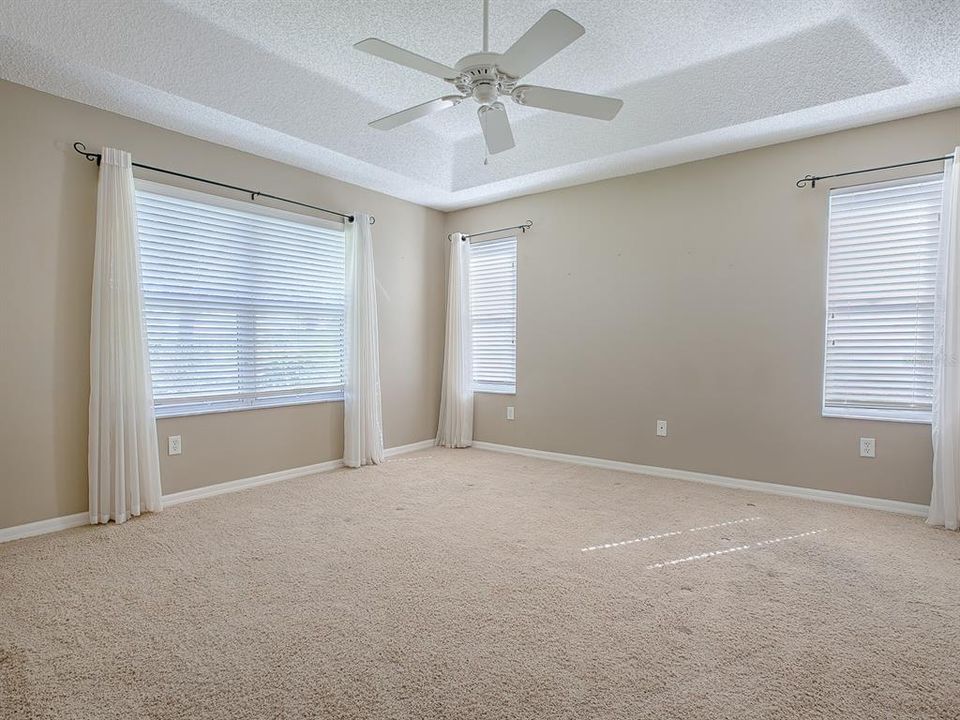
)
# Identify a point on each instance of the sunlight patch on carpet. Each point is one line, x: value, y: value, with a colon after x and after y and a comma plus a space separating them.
x: 727, y: 551
x: 672, y: 533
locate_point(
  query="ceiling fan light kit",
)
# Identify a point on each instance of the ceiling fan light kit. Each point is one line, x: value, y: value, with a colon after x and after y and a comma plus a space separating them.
x: 486, y: 77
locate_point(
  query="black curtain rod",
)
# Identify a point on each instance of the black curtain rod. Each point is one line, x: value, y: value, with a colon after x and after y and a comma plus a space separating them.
x: 254, y: 194
x: 812, y: 179
x: 523, y: 228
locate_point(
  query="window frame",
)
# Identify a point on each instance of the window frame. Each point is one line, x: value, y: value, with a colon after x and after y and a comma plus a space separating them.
x: 267, y: 400
x: 495, y: 388
x: 916, y: 417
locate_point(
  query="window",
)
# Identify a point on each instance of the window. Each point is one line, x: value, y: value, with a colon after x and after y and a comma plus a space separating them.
x: 493, y: 315
x: 881, y: 281
x: 244, y: 305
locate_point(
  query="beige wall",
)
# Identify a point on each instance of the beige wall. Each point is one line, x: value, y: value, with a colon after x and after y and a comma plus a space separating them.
x: 47, y: 225
x: 696, y: 294
x: 693, y: 294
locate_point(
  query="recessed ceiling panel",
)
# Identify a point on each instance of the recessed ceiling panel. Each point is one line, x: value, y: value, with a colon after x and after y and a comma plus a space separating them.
x: 823, y: 64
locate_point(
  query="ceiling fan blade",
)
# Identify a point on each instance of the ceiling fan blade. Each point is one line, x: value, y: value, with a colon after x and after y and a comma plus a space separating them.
x: 548, y: 36
x: 567, y: 101
x: 417, y: 111
x: 398, y: 55
x: 496, y: 127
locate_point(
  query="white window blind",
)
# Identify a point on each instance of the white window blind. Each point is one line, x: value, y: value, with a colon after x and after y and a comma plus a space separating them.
x: 881, y: 281
x: 244, y: 306
x: 493, y: 315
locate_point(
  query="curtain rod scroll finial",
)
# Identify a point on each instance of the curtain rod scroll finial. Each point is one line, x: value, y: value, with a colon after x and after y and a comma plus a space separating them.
x: 82, y: 149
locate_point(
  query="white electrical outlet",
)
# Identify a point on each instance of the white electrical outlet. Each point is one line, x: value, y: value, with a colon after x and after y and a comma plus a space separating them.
x: 173, y: 445
x: 661, y: 428
x: 868, y: 447
x: 509, y: 412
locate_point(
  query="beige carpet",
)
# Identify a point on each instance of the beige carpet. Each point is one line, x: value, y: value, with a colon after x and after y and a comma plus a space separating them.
x: 461, y: 584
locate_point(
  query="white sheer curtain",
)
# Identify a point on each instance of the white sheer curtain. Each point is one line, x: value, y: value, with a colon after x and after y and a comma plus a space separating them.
x: 362, y: 423
x: 456, y: 390
x: 945, y: 498
x: 123, y: 462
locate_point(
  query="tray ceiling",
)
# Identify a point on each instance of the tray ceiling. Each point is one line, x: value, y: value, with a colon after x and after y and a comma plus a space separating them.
x: 280, y: 79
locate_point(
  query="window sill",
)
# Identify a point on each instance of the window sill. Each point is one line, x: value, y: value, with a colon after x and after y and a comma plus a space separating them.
x: 918, y: 418
x: 494, y: 390
x: 171, y: 411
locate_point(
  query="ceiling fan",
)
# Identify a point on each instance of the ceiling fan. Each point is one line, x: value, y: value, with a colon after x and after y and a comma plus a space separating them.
x: 486, y: 76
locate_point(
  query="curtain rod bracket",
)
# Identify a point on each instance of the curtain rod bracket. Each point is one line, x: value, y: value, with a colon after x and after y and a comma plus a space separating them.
x: 254, y: 194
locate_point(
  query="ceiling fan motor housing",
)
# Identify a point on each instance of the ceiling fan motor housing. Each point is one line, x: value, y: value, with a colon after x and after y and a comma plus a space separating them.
x: 481, y: 78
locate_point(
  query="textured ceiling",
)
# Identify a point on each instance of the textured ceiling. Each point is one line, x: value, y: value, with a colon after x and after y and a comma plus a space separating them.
x: 279, y: 78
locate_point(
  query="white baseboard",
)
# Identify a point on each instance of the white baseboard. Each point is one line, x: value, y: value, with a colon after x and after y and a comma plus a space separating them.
x: 42, y: 527
x: 839, y: 498
x: 412, y: 447
x: 244, y: 483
